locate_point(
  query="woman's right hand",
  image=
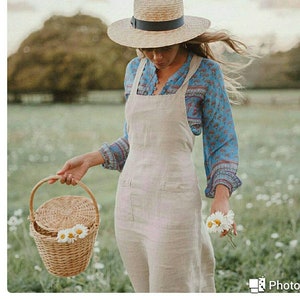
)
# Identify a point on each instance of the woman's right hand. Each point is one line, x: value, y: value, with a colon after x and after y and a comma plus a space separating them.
x: 75, y: 168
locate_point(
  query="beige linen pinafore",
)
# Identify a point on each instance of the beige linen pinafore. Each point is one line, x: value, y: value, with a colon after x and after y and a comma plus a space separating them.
x: 162, y: 240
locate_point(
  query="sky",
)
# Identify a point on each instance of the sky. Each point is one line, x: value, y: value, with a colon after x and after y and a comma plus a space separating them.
x: 273, y: 22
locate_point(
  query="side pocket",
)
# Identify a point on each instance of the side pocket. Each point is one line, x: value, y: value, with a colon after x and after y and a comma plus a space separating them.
x: 123, y: 208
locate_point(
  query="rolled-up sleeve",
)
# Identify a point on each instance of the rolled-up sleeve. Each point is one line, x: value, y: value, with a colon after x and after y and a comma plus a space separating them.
x: 115, y: 154
x: 220, y: 143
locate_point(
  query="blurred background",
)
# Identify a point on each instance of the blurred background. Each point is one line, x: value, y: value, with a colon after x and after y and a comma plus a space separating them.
x: 60, y: 50
x: 65, y: 97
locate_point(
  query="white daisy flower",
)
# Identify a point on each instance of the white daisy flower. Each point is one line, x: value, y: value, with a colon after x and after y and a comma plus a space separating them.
x: 81, y: 230
x: 72, y: 236
x: 18, y: 212
x: 230, y: 217
x: 217, y: 222
x: 293, y: 243
x: 62, y: 236
x: 99, y: 266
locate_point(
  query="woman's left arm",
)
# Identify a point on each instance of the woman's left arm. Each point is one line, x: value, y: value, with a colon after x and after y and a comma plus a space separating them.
x: 220, y: 143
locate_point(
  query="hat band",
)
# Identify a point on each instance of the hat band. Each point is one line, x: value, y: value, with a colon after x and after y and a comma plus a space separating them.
x: 157, y: 26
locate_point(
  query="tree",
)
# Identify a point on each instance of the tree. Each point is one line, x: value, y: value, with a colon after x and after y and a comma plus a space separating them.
x: 67, y: 57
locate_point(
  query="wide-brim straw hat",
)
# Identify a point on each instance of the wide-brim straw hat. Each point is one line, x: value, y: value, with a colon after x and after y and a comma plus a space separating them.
x: 157, y: 23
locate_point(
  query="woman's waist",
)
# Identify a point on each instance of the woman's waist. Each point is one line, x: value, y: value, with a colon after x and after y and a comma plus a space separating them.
x: 158, y: 171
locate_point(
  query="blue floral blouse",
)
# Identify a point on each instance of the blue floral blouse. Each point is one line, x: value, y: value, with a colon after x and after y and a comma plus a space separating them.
x: 208, y: 111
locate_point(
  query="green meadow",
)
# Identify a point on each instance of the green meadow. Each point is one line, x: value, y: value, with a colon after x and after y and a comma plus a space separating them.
x: 267, y: 206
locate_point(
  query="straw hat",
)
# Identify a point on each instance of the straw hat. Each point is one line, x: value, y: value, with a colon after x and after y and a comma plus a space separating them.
x: 157, y: 23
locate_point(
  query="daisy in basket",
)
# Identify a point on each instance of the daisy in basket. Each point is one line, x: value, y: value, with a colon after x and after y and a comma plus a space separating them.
x: 70, y: 235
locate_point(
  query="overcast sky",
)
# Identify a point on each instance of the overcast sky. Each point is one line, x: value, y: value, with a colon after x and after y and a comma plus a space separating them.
x: 252, y: 20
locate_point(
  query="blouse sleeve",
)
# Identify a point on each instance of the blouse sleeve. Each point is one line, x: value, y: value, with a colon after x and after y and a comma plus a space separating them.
x: 115, y: 154
x: 220, y: 143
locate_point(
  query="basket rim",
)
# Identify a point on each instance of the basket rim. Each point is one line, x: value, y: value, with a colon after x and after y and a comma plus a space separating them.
x: 36, y: 234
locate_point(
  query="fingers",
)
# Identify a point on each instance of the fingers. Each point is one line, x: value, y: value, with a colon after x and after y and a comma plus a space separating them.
x: 68, y: 179
x: 65, y: 177
x: 51, y: 181
x: 234, y: 230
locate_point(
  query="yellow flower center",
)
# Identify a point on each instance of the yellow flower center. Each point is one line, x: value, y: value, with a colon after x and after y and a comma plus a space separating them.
x: 210, y: 224
x: 79, y: 231
x: 62, y: 236
x: 217, y: 222
x: 71, y: 235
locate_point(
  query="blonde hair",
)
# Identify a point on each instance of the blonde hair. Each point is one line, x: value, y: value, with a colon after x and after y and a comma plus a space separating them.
x: 202, y: 46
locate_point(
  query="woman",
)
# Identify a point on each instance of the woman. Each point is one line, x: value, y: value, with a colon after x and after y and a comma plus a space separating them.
x: 174, y: 90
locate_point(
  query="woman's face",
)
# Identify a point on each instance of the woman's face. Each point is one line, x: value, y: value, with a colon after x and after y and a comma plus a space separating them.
x: 163, y: 57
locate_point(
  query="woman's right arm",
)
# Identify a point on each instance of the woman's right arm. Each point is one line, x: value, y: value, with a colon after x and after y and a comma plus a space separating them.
x: 75, y: 168
x: 111, y: 156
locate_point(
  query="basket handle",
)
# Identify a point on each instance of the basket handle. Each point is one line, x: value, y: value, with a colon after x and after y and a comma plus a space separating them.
x: 57, y: 177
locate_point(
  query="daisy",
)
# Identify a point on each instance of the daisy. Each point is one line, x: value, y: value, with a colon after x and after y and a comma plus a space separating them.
x: 71, y: 235
x: 230, y: 218
x: 80, y: 230
x: 217, y: 222
x: 62, y: 236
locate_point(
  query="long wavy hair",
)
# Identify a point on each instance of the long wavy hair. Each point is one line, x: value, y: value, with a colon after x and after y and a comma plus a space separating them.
x: 208, y: 45
x: 203, y: 46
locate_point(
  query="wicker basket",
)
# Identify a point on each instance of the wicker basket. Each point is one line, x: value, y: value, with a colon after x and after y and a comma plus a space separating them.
x: 64, y: 259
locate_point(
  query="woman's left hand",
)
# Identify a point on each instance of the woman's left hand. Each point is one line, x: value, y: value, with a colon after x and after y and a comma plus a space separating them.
x: 221, y: 203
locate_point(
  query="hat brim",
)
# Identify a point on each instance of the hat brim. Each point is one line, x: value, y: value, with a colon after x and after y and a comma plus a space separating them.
x: 124, y: 34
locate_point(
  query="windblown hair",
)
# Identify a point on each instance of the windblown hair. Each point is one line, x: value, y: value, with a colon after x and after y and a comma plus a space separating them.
x: 203, y: 46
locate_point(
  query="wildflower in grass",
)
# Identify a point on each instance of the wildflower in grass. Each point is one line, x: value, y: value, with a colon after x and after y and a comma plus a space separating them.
x: 91, y: 277
x: 13, y: 228
x: 18, y: 212
x: 278, y: 255
x: 275, y: 235
x: 62, y: 236
x: 96, y: 250
x: 293, y: 243
x: 80, y: 230
x: 218, y: 223
x: 14, y: 221
x: 38, y: 268
x: 279, y: 244
x: 239, y: 227
x: 78, y: 288
x: 98, y: 266
x: 249, y: 205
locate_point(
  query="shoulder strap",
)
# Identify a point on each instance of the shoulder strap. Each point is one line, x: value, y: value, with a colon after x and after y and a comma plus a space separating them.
x: 138, y: 75
x: 194, y: 65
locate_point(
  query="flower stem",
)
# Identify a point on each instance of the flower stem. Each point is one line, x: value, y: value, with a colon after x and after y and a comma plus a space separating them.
x: 230, y: 237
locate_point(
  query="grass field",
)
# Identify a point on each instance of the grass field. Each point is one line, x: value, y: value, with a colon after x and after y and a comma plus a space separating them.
x: 42, y: 137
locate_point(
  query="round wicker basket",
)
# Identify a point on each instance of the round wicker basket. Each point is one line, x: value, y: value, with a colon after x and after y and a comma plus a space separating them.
x: 59, y: 213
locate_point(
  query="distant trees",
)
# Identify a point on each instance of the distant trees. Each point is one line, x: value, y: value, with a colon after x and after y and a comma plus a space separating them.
x: 67, y: 57
x: 72, y: 55
x: 275, y: 70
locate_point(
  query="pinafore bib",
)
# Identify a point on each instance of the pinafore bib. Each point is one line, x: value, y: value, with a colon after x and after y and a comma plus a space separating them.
x: 159, y: 230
